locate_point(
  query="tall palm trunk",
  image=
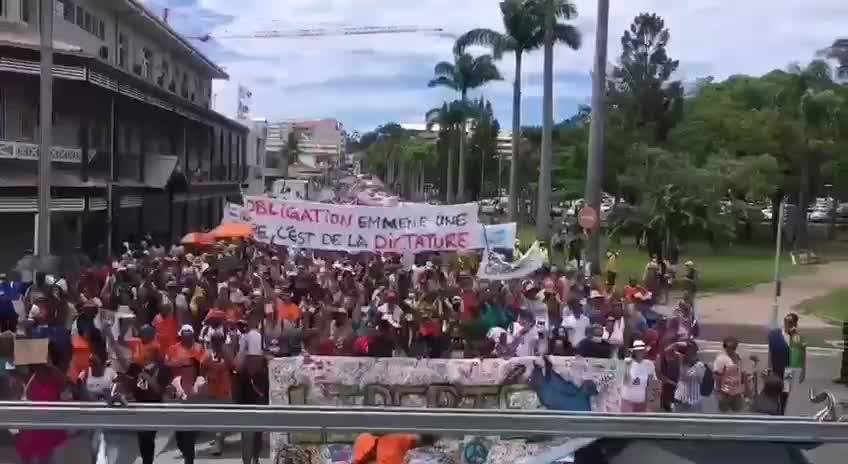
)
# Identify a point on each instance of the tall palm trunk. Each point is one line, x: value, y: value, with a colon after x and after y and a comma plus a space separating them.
x: 449, y: 195
x: 516, y: 138
x: 543, y: 211
x: 460, y: 189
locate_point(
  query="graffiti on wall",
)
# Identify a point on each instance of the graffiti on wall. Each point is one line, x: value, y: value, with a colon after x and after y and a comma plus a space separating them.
x: 516, y: 383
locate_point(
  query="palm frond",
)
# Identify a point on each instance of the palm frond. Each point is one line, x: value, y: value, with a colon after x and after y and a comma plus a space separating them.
x: 498, y: 42
x: 564, y: 9
x: 483, y: 70
x: 444, y: 68
x: 567, y: 34
x: 443, y: 81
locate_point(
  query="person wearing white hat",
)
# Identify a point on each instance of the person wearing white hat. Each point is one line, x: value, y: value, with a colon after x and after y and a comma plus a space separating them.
x: 638, y: 373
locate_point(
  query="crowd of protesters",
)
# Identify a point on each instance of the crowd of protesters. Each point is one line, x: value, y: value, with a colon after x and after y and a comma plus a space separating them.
x: 199, y: 324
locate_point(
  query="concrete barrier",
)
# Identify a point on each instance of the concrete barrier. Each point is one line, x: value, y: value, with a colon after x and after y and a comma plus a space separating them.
x: 517, y: 383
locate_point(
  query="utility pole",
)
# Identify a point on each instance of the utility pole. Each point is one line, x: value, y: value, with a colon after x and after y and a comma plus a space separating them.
x: 778, y: 248
x: 45, y: 15
x: 595, y: 167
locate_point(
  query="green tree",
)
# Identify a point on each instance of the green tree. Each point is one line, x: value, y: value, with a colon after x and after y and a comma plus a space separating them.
x: 552, y: 11
x: 483, y: 147
x: 449, y: 118
x: 641, y: 82
x: 291, y: 151
x: 524, y: 33
x: 465, y: 73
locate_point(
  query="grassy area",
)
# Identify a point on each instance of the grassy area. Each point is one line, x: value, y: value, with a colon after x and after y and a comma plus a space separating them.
x: 730, y: 269
x: 833, y: 306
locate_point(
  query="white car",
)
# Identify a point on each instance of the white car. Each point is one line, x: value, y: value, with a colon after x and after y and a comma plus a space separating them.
x: 488, y: 207
x: 819, y: 215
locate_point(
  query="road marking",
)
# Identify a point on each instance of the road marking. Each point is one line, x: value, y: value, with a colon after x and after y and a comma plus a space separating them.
x: 840, y: 344
x: 709, y: 346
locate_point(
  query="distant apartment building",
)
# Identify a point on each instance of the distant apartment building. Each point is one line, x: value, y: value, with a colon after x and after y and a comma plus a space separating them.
x: 256, y: 154
x: 136, y: 147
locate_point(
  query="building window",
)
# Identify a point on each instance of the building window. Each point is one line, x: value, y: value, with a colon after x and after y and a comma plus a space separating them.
x: 28, y: 124
x: 147, y: 63
x: 69, y: 9
x: 25, y: 11
x: 177, y: 78
x: 122, y: 51
x: 89, y: 26
x: 184, y: 86
x: 164, y: 72
x: 80, y: 17
x: 101, y: 31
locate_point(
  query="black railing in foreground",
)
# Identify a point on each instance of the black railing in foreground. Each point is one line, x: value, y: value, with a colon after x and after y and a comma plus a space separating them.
x: 69, y: 416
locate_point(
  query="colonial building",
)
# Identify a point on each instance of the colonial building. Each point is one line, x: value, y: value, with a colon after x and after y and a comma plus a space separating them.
x: 136, y: 147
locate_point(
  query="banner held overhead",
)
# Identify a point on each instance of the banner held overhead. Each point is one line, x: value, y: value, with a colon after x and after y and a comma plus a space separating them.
x: 321, y: 226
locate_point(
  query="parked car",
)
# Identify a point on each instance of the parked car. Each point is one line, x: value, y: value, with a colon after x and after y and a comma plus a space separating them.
x: 488, y: 206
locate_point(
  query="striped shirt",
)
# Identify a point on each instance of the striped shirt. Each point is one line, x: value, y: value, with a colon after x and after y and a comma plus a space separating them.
x: 688, y: 389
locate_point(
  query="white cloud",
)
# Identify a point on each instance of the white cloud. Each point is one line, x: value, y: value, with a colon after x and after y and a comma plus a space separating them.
x: 716, y: 37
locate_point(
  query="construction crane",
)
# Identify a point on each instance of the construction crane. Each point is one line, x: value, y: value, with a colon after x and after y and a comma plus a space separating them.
x: 323, y: 32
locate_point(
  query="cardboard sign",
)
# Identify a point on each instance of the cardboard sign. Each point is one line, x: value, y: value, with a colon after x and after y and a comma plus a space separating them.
x: 31, y: 351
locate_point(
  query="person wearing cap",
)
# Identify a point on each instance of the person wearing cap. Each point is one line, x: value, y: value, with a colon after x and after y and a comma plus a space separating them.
x: 638, y: 373
x: 690, y: 278
x: 184, y: 352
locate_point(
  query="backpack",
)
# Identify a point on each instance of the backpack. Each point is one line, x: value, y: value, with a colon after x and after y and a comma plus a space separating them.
x: 707, y: 383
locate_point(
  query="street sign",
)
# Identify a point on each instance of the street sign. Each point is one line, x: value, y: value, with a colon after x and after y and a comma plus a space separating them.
x: 587, y: 218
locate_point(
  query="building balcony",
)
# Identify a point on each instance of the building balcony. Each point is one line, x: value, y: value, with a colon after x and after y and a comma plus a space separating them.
x: 29, y: 151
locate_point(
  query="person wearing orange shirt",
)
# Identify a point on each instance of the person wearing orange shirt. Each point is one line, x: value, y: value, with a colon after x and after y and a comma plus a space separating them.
x: 81, y: 349
x: 185, y: 352
x: 145, y: 349
x: 218, y: 368
x: 166, y: 327
x: 288, y: 311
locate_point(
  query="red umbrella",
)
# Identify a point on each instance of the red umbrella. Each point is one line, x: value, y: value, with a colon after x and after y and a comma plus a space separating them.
x: 232, y: 231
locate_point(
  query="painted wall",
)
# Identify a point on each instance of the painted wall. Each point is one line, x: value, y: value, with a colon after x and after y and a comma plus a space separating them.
x: 431, y: 383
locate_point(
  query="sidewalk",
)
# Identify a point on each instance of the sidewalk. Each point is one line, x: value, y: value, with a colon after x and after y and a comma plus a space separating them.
x: 754, y: 306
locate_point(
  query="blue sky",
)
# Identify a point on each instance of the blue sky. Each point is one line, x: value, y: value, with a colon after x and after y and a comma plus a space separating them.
x: 366, y: 81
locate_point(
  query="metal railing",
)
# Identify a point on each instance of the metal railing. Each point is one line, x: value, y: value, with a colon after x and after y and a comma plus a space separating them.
x: 305, y: 419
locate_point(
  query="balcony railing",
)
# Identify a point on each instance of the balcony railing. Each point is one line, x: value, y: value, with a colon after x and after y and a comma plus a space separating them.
x: 29, y: 151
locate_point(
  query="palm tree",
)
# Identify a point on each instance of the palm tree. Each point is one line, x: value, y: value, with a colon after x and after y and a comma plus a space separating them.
x: 524, y: 33
x: 554, y: 31
x: 449, y: 118
x: 464, y: 74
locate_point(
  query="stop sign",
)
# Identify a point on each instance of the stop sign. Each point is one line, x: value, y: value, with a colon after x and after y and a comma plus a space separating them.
x: 587, y: 218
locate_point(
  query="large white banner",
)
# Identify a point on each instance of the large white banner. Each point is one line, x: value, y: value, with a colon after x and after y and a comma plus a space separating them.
x: 407, y: 227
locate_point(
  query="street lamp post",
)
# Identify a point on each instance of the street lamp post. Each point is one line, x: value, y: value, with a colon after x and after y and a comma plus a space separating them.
x: 595, y: 167
x: 45, y: 15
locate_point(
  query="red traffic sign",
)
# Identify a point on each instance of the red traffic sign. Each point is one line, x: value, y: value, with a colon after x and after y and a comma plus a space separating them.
x: 587, y: 218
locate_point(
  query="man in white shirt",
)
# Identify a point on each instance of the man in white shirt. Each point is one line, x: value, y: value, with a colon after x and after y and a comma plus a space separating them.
x: 576, y: 323
x: 532, y: 341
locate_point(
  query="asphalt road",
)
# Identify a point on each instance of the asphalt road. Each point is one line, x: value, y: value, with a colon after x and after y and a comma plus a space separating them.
x: 823, y: 366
